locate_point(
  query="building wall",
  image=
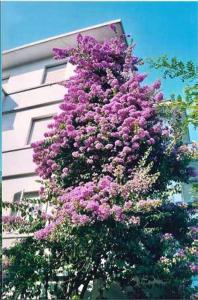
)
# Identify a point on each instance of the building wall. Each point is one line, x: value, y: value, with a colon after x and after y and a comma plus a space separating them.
x: 28, y: 100
x: 30, y: 75
x: 17, y: 126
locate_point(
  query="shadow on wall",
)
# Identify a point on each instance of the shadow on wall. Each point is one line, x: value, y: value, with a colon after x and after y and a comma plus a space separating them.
x: 8, y: 118
x: 8, y: 121
x: 8, y: 103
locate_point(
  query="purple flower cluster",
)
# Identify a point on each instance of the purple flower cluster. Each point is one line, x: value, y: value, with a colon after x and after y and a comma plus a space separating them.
x: 107, y: 113
x: 194, y: 268
x: 194, y: 229
x: 108, y: 121
x: 93, y: 201
x: 49, y: 228
x: 167, y: 237
x: 12, y: 220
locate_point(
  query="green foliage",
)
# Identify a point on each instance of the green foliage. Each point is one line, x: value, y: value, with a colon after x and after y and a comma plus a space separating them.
x: 132, y: 258
x: 188, y: 73
x: 174, y: 67
x: 181, y: 111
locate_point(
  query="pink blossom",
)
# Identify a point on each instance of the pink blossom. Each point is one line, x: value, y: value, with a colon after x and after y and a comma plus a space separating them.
x: 108, y: 119
x: 99, y: 146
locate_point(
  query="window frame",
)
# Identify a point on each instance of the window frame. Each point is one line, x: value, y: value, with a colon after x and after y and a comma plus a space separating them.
x: 30, y: 129
x: 22, y: 195
x: 48, y: 66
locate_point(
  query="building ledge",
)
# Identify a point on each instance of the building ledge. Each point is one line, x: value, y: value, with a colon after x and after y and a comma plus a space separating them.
x: 43, y: 48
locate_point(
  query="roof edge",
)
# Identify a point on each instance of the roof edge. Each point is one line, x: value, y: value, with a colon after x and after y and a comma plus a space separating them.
x: 62, y: 35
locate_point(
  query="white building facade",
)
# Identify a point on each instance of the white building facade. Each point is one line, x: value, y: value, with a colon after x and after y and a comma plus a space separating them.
x: 31, y: 97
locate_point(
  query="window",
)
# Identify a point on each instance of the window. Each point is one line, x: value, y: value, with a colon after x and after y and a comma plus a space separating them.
x: 54, y: 74
x: 19, y: 196
x: 38, y: 128
x: 32, y: 197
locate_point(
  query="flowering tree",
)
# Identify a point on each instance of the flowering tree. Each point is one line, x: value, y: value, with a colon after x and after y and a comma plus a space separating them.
x: 108, y: 165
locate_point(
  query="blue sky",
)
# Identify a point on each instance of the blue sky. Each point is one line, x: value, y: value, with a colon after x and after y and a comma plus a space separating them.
x: 157, y: 27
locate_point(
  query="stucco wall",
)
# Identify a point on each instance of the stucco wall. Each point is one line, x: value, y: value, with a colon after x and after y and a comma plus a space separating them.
x: 27, y: 100
x: 16, y: 125
x: 16, y: 185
